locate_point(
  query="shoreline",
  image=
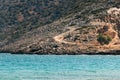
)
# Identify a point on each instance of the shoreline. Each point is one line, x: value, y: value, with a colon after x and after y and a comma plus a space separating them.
x: 116, y: 52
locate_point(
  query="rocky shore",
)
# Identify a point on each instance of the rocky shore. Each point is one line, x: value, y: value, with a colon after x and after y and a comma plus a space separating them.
x: 115, y: 52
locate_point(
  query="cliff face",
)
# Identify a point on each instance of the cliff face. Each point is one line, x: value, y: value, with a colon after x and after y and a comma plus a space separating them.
x: 68, y: 27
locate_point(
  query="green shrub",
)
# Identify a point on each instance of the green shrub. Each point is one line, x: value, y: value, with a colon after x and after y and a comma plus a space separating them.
x: 104, y: 39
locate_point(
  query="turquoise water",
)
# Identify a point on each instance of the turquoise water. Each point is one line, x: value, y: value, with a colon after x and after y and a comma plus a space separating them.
x: 36, y: 67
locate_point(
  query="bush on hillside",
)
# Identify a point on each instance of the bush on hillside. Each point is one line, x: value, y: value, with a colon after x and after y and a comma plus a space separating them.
x: 104, y: 39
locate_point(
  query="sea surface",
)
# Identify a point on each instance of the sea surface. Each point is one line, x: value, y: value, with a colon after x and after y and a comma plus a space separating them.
x: 63, y: 67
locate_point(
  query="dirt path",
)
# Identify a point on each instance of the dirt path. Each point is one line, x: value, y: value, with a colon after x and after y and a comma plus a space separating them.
x: 100, y: 23
x: 60, y: 38
x: 115, y: 38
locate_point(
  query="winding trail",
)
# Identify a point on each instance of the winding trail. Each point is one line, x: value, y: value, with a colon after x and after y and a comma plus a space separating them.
x: 60, y: 38
x: 115, y: 38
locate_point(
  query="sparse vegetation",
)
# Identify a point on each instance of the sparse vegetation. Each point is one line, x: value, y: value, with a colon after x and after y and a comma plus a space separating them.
x: 22, y: 16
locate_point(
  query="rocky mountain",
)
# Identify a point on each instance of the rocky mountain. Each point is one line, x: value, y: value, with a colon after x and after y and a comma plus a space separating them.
x: 60, y: 26
x: 20, y: 16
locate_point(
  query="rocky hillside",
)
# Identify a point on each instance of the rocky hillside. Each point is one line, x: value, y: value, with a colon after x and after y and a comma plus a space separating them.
x: 20, y: 16
x: 60, y: 26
